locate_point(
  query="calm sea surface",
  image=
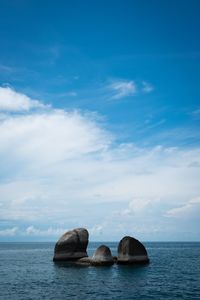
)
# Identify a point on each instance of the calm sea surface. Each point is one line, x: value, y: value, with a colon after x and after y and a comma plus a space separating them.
x: 28, y: 272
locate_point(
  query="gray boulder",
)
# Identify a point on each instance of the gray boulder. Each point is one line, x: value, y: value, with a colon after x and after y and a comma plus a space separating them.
x: 84, y: 261
x: 72, y: 245
x: 102, y: 257
x: 131, y: 251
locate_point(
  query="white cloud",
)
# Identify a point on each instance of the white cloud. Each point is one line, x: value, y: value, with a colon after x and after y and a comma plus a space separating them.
x: 62, y: 167
x: 51, y: 137
x: 125, y: 88
x: 190, y: 207
x: 13, y: 101
x: 8, y: 231
x: 96, y: 229
x: 137, y: 205
x: 33, y: 231
x: 147, y: 87
x: 122, y: 88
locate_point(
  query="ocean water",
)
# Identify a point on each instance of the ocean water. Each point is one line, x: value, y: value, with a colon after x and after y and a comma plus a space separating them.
x: 28, y: 272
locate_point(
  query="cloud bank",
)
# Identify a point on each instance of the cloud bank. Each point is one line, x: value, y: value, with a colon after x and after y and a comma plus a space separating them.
x: 63, y: 169
x: 12, y: 101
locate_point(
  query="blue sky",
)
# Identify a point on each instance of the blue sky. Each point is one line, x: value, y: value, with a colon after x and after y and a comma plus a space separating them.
x: 99, y: 119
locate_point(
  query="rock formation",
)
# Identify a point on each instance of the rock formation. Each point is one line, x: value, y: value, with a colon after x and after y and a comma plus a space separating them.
x: 102, y: 257
x: 131, y: 251
x: 72, y: 245
x: 72, y: 248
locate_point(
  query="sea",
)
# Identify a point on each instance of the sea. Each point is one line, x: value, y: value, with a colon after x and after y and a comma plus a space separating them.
x: 27, y: 271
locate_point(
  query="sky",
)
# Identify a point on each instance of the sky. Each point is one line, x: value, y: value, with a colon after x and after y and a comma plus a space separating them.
x: 100, y: 119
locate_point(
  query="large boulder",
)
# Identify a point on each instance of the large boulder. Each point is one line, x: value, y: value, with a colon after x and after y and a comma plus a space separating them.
x: 102, y: 257
x: 72, y: 245
x: 131, y: 251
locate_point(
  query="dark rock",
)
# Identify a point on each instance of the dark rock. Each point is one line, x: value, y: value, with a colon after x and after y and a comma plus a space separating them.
x: 84, y: 261
x: 115, y: 259
x: 131, y: 251
x: 72, y: 245
x: 102, y: 257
